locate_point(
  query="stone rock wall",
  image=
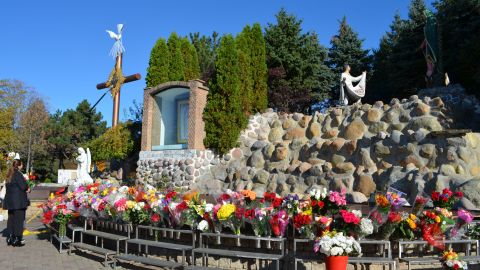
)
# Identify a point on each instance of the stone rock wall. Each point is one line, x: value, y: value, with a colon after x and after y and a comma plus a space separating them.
x: 362, y: 148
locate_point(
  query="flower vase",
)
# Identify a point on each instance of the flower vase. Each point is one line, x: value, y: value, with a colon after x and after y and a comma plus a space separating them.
x: 177, y: 235
x: 217, y: 227
x: 268, y: 244
x: 336, y: 262
x: 62, y: 230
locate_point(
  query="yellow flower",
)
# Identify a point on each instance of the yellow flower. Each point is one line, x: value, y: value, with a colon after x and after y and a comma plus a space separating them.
x: 307, y: 211
x: 131, y: 204
x: 438, y: 219
x: 413, y: 217
x: 226, y: 211
x: 105, y: 192
x: 412, y: 224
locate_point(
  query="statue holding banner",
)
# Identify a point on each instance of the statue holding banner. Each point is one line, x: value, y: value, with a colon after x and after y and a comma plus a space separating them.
x: 348, y: 92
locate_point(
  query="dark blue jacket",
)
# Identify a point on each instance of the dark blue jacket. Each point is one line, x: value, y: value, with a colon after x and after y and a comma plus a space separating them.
x: 16, y: 195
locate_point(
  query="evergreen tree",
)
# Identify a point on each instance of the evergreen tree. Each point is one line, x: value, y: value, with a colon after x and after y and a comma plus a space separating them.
x: 244, y: 46
x: 407, y: 63
x: 190, y: 60
x: 158, y: 66
x: 177, y: 66
x: 380, y: 81
x: 259, y: 69
x: 346, y: 48
x: 205, y: 47
x: 294, y: 82
x: 223, y: 114
x: 459, y: 27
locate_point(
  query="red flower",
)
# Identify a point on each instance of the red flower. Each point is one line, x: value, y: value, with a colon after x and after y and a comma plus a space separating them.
x: 455, y: 266
x: 146, y: 207
x: 250, y: 214
x: 269, y: 196
x: 171, y: 195
x: 277, y: 202
x: 239, y: 212
x: 394, y: 217
x: 459, y: 194
x: 181, y: 207
x: 447, y: 192
x: 435, y: 196
x: 320, y: 204
x: 61, y: 206
x: 47, y: 217
x: 445, y: 199
x: 349, y: 217
x: 275, y: 226
x: 300, y: 220
x: 224, y: 197
x: 155, y: 218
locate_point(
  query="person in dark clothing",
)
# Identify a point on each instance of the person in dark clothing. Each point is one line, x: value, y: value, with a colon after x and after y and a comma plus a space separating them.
x: 16, y: 202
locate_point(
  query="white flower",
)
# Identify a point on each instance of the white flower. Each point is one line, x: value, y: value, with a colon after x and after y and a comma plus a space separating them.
x: 203, y: 225
x: 123, y: 189
x: 208, y: 207
x: 357, y: 213
x: 366, y: 226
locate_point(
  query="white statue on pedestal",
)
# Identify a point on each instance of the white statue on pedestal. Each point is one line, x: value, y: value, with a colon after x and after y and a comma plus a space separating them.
x: 84, y: 161
x: 348, y: 92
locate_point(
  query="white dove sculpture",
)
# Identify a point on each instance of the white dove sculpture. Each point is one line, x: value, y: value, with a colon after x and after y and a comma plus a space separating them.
x: 117, y: 48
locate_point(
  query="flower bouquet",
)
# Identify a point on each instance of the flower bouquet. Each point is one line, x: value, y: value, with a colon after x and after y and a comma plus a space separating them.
x: 257, y: 217
x: 278, y: 223
x: 420, y: 201
x: 227, y: 214
x: 407, y: 227
x: 389, y: 227
x: 434, y: 224
x: 446, y: 198
x: 55, y: 210
x: 464, y: 217
x: 336, y: 247
x: 451, y: 261
x: 303, y: 224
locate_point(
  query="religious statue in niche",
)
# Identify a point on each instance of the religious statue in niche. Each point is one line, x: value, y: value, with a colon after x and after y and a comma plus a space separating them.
x: 84, y: 162
x: 348, y: 92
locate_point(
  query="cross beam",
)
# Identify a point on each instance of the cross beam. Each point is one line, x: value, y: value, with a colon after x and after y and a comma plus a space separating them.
x: 116, y: 98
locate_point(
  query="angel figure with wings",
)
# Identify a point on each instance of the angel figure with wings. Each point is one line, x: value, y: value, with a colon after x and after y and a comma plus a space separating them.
x: 83, y: 168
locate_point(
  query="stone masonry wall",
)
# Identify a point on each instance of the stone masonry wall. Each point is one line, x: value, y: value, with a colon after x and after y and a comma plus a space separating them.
x: 362, y: 148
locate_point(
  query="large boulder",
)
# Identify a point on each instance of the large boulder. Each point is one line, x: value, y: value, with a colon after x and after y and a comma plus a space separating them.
x: 355, y: 130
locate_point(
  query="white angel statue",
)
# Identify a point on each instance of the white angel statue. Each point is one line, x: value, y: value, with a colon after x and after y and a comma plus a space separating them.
x: 83, y: 167
x: 348, y: 92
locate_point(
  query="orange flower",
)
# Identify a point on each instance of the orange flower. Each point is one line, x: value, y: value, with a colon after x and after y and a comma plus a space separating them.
x: 132, y: 190
x: 249, y: 194
x: 191, y: 195
x: 382, y: 201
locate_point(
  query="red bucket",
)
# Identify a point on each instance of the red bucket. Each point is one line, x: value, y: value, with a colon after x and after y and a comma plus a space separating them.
x: 337, y: 262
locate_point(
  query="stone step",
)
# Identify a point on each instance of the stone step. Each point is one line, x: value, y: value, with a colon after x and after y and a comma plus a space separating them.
x: 148, y: 261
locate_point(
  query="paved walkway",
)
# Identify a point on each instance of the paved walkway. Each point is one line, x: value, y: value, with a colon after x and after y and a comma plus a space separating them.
x: 39, y: 253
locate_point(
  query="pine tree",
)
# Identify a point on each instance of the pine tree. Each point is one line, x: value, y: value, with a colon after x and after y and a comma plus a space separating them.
x: 459, y: 27
x: 223, y: 114
x: 177, y: 66
x: 158, y: 66
x: 380, y: 81
x: 346, y: 48
x: 407, y: 63
x: 244, y: 43
x: 259, y: 69
x: 190, y: 60
x: 294, y: 83
x: 205, y: 47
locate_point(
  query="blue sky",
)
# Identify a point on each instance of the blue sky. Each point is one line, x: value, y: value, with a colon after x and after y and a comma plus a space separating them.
x: 60, y: 48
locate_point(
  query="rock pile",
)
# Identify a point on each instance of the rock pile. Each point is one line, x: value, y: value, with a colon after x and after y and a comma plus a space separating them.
x: 361, y: 148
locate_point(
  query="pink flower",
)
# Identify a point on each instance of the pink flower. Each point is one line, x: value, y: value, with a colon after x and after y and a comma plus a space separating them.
x: 338, y: 197
x: 465, y: 215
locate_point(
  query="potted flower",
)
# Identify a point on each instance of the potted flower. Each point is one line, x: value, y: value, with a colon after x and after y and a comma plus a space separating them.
x: 337, y: 247
x: 451, y: 261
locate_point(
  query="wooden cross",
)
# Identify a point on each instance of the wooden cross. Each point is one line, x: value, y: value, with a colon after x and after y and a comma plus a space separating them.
x: 116, y: 97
